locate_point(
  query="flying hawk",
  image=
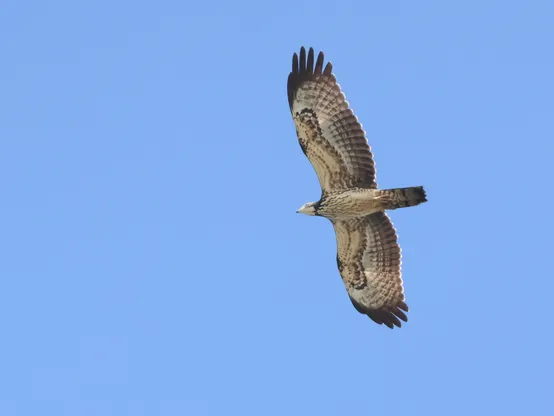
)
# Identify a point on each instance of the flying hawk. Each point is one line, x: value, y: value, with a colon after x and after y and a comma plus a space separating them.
x: 368, y: 255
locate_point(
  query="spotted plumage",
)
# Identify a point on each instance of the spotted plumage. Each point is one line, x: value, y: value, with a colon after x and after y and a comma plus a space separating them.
x: 368, y: 255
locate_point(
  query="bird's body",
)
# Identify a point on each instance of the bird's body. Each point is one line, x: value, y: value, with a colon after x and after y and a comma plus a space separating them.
x: 355, y: 202
x: 368, y: 255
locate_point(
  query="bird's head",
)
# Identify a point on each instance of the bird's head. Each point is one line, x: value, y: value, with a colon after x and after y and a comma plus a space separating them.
x: 309, y: 209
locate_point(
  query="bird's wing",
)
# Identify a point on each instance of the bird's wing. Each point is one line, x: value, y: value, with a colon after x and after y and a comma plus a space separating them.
x: 328, y: 131
x: 369, y: 261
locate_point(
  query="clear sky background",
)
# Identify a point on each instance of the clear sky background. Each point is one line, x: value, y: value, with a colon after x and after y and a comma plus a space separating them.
x: 152, y: 260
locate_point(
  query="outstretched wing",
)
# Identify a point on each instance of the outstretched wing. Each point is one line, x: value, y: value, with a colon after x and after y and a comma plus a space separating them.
x: 328, y: 131
x: 369, y: 261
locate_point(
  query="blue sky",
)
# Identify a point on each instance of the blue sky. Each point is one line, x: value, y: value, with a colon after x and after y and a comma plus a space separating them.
x: 152, y: 260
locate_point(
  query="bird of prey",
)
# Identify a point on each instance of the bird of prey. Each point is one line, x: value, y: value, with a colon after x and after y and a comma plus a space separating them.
x: 368, y: 255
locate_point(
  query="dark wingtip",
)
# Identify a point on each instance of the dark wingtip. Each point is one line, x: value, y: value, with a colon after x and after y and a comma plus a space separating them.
x: 319, y: 64
x: 401, y: 315
x: 389, y: 318
x: 386, y: 317
x: 310, y: 64
x: 379, y: 318
x: 294, y: 64
x: 303, y: 68
x: 302, y: 59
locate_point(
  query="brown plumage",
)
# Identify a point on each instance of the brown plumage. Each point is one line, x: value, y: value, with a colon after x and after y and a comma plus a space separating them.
x: 368, y: 255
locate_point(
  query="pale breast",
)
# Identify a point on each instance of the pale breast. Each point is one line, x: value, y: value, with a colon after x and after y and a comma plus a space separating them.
x: 349, y: 204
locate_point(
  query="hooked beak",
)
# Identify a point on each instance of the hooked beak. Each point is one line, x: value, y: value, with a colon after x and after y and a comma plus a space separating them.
x: 306, y: 209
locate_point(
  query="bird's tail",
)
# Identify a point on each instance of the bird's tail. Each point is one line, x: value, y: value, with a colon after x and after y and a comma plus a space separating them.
x: 403, y: 197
